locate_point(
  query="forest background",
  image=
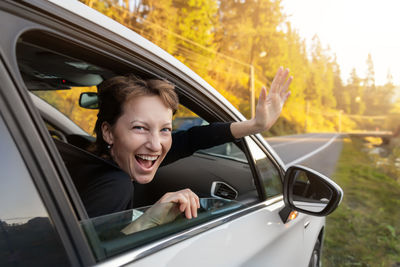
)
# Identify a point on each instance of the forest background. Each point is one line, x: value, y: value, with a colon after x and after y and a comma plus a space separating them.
x: 223, y: 41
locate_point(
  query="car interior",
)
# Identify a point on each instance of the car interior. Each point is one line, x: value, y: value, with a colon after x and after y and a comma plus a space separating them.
x: 56, y: 75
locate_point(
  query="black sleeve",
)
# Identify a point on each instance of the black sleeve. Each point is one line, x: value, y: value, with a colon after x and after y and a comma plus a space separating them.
x: 109, y: 193
x: 185, y: 143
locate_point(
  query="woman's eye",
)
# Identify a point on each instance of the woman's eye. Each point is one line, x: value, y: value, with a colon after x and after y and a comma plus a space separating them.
x: 138, y: 128
x: 166, y: 130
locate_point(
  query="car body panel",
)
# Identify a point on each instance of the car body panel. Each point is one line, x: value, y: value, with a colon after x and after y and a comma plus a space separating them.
x: 259, y: 238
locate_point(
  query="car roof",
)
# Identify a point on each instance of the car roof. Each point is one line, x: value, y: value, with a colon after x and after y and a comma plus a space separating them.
x: 98, y: 18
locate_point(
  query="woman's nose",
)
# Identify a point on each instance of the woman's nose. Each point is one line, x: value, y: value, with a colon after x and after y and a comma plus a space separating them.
x: 154, y: 142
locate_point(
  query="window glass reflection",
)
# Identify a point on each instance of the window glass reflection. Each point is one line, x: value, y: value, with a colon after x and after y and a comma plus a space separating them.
x: 115, y: 233
x: 269, y: 174
x: 309, y: 192
x: 27, y: 236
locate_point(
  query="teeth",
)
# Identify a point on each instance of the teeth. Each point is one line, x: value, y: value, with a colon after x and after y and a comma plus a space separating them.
x: 147, y: 157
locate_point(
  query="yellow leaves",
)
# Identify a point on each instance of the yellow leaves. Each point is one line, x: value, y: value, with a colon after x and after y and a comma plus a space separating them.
x: 219, y: 40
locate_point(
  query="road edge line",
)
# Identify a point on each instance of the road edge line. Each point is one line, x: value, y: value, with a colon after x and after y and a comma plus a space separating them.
x: 312, y: 153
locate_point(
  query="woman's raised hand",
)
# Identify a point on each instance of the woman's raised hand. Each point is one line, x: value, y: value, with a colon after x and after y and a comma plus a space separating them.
x: 187, y: 201
x: 269, y: 106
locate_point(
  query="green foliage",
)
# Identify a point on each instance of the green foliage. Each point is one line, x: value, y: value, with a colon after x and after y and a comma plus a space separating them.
x: 363, y: 231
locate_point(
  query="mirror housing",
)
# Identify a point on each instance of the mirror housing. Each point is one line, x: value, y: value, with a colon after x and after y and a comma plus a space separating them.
x: 310, y: 192
x: 89, y: 100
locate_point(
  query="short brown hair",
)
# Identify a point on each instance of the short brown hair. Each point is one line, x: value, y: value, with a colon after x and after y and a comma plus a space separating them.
x: 114, y: 92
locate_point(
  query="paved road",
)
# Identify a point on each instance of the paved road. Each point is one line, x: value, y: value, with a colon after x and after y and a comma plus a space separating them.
x: 319, y: 151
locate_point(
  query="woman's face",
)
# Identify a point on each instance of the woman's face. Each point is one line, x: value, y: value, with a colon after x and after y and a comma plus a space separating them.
x: 141, y: 137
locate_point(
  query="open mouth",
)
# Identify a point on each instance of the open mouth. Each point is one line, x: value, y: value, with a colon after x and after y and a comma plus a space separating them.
x: 146, y: 161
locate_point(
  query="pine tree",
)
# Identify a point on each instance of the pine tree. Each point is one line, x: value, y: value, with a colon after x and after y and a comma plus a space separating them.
x: 370, y: 92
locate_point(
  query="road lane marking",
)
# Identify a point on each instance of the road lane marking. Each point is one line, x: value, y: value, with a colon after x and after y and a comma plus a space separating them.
x: 312, y: 153
x: 295, y: 141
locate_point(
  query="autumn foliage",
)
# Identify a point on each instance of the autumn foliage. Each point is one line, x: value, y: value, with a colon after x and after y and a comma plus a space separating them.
x: 220, y: 40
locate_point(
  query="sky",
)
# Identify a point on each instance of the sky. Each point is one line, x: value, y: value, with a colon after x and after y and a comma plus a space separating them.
x: 352, y: 29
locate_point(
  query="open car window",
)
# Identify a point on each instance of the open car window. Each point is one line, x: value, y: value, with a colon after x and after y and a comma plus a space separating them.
x: 115, y: 233
x: 184, y: 119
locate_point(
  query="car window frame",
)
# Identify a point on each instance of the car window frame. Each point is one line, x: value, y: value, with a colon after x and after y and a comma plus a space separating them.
x: 44, y: 177
x: 277, y: 166
x: 19, y: 181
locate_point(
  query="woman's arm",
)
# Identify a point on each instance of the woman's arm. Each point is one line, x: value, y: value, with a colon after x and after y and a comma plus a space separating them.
x: 268, y: 108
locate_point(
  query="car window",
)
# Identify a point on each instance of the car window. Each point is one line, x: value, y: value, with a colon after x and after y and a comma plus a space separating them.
x: 58, y: 72
x: 269, y: 174
x: 67, y: 102
x: 185, y: 119
x: 113, y: 234
x: 27, y: 234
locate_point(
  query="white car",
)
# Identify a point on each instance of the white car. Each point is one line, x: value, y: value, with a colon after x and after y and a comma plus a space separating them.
x: 254, y: 211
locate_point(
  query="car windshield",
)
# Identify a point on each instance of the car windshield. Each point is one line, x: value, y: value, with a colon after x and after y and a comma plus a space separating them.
x: 114, y: 233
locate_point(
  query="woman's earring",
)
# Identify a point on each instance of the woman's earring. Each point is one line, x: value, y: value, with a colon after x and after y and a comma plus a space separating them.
x: 109, y: 146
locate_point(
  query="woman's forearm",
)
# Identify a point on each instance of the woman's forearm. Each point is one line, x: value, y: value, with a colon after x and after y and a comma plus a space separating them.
x: 244, y: 128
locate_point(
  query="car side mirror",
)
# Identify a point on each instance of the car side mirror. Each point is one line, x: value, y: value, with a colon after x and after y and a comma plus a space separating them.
x: 89, y: 100
x: 308, y: 191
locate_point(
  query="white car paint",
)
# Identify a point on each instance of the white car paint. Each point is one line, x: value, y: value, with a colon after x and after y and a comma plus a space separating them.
x: 259, y: 238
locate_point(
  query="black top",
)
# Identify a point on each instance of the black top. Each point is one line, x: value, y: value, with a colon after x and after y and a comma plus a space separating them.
x: 104, y: 188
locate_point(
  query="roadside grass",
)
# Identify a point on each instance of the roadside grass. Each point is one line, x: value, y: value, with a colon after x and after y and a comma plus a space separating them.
x: 365, y: 229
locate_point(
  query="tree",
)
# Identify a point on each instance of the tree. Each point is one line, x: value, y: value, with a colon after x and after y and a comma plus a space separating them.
x: 370, y: 92
x: 248, y: 28
x: 323, y: 74
x: 355, y: 91
x: 369, y: 80
x: 342, y: 95
x: 196, y: 21
x: 384, y: 94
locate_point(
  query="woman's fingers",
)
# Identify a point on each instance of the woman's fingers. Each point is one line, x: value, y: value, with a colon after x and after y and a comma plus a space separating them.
x: 283, y: 81
x: 286, y: 86
x: 286, y: 96
x: 188, y: 209
x: 280, y: 82
x: 194, y: 206
x: 187, y: 200
x: 276, y: 80
x: 263, y: 94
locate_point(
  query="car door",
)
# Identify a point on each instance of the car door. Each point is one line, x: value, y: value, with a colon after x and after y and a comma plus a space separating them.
x: 254, y: 236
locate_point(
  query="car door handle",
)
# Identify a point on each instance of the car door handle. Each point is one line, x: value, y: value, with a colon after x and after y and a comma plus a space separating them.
x: 306, y: 224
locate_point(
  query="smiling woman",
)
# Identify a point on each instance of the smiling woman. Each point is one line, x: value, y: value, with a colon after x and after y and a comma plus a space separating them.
x: 133, y: 131
x: 135, y: 123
